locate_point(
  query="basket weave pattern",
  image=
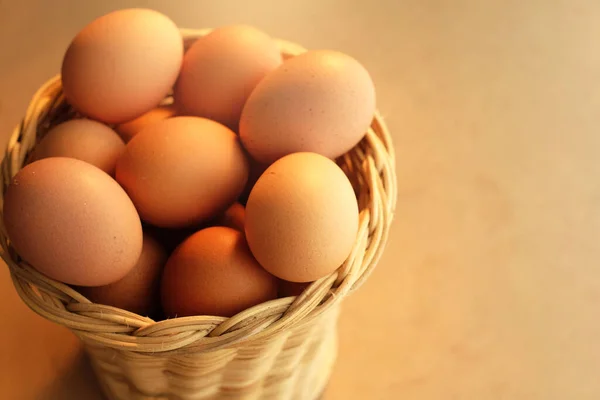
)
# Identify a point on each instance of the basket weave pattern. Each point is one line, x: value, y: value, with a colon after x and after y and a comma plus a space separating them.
x: 280, y: 350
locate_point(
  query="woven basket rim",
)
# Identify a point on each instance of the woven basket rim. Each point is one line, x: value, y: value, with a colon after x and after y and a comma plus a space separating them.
x: 371, y: 168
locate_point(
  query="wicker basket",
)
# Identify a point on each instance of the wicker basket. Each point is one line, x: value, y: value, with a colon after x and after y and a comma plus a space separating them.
x: 282, y: 349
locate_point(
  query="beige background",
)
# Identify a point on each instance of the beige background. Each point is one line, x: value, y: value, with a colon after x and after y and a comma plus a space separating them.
x: 490, y: 287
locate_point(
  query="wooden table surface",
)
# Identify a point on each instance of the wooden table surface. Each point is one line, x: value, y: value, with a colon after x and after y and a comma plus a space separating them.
x: 490, y: 286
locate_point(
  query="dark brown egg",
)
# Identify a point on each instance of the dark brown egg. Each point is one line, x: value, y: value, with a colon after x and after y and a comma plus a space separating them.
x: 213, y: 273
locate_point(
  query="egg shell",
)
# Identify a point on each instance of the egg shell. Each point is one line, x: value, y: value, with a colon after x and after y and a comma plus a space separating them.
x: 320, y: 101
x: 72, y: 222
x: 85, y: 140
x: 139, y: 290
x: 233, y: 217
x: 302, y: 217
x: 122, y: 64
x: 183, y: 171
x: 131, y: 128
x: 213, y: 273
x: 221, y: 69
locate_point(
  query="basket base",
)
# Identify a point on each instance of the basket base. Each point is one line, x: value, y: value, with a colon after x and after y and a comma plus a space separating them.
x: 294, y: 366
x: 114, y: 389
x: 111, y: 396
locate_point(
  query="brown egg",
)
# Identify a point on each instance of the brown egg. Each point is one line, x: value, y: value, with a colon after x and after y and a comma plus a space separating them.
x: 122, y: 64
x: 320, y: 101
x: 287, y: 289
x: 139, y: 290
x: 221, y: 69
x: 214, y: 273
x: 85, y: 140
x: 129, y: 129
x: 183, y: 171
x: 302, y: 217
x: 72, y: 222
x: 233, y: 217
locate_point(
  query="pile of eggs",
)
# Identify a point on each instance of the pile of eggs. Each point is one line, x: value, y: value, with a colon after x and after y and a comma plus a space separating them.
x: 197, y: 182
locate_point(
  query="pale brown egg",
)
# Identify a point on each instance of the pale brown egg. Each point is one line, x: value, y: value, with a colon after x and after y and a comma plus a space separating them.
x: 221, y: 69
x: 72, y: 222
x: 129, y: 129
x: 319, y: 101
x: 139, y: 290
x: 85, y: 140
x: 302, y: 217
x: 213, y: 273
x: 233, y: 217
x: 122, y: 64
x: 183, y: 171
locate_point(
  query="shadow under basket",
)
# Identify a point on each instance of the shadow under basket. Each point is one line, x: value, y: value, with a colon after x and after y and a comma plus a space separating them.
x: 281, y: 350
